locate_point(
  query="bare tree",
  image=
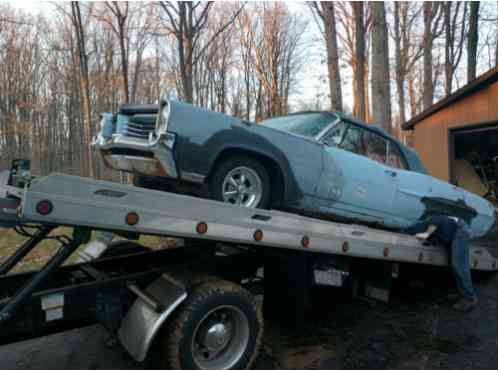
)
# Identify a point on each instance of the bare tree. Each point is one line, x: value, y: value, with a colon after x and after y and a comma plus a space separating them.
x: 432, y: 19
x: 472, y: 41
x: 406, y: 50
x: 381, y: 92
x: 326, y: 13
x: 118, y: 25
x: 186, y: 20
x: 360, y: 109
x: 84, y: 81
x: 454, y: 29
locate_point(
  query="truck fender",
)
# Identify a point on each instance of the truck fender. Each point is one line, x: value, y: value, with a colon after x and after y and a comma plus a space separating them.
x: 142, y: 321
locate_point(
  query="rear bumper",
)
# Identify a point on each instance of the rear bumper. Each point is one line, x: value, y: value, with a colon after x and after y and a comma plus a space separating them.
x: 152, y: 157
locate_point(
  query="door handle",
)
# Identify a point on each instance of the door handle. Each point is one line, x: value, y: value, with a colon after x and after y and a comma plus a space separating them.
x: 391, y: 173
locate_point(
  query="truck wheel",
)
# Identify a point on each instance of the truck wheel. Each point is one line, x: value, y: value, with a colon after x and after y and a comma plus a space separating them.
x: 241, y: 181
x: 121, y: 248
x: 218, y: 327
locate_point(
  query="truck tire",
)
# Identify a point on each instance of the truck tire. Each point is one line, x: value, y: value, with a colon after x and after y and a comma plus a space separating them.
x: 219, y: 326
x: 241, y: 180
x: 123, y: 247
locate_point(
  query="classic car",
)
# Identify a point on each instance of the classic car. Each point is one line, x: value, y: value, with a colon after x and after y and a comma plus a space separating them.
x: 321, y: 164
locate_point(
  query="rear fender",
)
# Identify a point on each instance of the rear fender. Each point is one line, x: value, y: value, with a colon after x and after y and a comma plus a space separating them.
x: 142, y: 323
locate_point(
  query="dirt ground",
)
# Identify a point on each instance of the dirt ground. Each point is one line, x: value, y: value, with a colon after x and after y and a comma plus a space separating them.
x: 416, y: 330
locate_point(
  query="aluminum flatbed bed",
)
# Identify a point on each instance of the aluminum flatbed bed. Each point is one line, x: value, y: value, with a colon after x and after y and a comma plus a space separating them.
x: 103, y: 205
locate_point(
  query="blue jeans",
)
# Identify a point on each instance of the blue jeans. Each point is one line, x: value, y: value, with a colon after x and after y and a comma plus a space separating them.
x: 456, y: 237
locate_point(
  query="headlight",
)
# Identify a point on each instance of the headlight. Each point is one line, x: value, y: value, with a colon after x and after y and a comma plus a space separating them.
x: 106, y: 127
x: 162, y: 118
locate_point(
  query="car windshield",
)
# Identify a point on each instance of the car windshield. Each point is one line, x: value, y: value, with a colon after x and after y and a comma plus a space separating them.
x: 305, y: 124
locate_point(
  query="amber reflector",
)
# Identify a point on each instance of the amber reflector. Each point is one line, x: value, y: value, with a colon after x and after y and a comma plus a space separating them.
x: 132, y: 218
x: 386, y: 252
x: 345, y: 247
x: 305, y: 241
x: 258, y: 235
x: 44, y: 207
x: 202, y: 228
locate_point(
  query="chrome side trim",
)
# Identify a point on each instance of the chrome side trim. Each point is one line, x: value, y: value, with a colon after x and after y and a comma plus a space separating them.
x: 192, y: 177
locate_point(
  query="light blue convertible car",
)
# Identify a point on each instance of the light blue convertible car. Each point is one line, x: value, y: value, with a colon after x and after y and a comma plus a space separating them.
x: 320, y: 164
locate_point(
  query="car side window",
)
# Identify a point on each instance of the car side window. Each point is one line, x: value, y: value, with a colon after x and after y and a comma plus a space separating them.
x: 334, y: 136
x: 375, y: 147
x: 352, y: 140
x: 394, y: 158
x: 345, y: 136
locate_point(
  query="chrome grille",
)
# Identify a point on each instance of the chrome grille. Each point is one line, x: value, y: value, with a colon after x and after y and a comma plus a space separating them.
x: 132, y: 129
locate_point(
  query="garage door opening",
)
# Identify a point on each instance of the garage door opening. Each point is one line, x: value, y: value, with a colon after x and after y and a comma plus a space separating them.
x: 474, y: 160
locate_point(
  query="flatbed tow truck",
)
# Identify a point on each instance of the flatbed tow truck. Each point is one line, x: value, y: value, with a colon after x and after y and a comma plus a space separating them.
x: 192, y: 305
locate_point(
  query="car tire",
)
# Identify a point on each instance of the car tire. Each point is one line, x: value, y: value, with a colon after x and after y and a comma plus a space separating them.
x: 184, y: 339
x: 253, y: 171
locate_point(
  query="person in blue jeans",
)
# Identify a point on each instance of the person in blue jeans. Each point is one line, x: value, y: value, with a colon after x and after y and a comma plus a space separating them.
x: 454, y: 234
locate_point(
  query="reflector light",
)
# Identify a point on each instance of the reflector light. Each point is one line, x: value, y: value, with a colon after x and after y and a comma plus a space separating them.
x: 132, y: 218
x: 305, y: 241
x: 202, y: 228
x: 44, y: 207
x: 345, y: 247
x: 258, y: 235
x: 386, y: 252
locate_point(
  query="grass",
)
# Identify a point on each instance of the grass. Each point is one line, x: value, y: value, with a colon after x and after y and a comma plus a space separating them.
x: 10, y: 240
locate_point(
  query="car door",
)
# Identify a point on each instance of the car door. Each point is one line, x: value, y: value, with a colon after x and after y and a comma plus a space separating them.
x: 363, y: 188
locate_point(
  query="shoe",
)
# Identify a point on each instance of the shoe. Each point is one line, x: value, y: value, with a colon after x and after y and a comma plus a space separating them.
x: 465, y: 304
x: 425, y: 235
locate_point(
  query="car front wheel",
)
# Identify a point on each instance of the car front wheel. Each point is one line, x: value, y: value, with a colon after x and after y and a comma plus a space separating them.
x: 241, y: 181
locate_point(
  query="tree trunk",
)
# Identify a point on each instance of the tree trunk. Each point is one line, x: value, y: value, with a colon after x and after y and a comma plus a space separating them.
x: 381, y: 92
x: 399, y: 68
x: 332, y: 57
x: 472, y: 41
x: 84, y: 85
x: 359, y: 71
x: 448, y: 44
x: 124, y: 61
x: 428, y: 87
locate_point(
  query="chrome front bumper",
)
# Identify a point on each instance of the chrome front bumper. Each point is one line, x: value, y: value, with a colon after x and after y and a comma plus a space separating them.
x: 160, y: 163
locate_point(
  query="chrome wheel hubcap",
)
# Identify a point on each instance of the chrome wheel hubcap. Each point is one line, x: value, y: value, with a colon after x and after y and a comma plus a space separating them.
x: 242, y: 186
x: 220, y: 338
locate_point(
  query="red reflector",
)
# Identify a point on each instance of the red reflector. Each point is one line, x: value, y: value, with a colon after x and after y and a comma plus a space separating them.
x: 132, y: 218
x: 258, y: 235
x: 44, y: 207
x: 202, y: 228
x: 305, y: 241
x: 386, y: 252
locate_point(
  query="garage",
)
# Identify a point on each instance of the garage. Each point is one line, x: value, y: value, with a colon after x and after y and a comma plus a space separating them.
x: 457, y: 137
x: 475, y: 159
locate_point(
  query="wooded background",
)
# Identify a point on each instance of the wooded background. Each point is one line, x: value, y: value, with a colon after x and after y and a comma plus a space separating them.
x: 384, y: 63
